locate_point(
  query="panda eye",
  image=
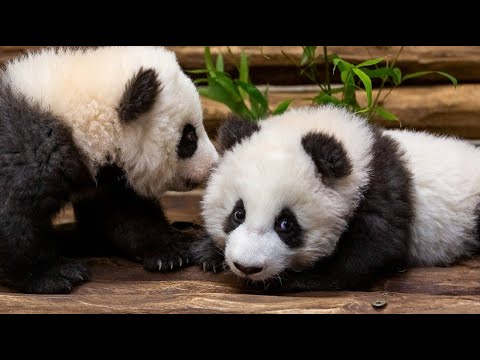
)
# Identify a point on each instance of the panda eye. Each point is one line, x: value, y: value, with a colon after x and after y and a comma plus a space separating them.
x: 239, y: 216
x: 288, y: 228
x: 188, y: 142
x: 285, y: 225
x: 191, y: 136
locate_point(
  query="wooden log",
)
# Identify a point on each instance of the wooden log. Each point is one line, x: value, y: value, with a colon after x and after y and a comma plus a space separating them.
x: 269, y: 65
x: 441, y: 109
x: 119, y: 286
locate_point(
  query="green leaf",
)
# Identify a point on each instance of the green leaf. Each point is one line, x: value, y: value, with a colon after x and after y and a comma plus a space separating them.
x: 380, y: 110
x: 369, y: 62
x: 422, y: 73
x: 209, y: 60
x: 379, y: 73
x: 257, y: 100
x: 341, y: 64
x: 397, y: 76
x: 266, y: 92
x: 222, y: 89
x: 308, y: 54
x: 349, y: 97
x: 367, y: 83
x: 362, y: 111
x: 324, y: 98
x: 219, y: 65
x: 243, y: 72
x: 344, y: 75
x: 280, y: 109
x: 199, y: 81
x: 199, y: 71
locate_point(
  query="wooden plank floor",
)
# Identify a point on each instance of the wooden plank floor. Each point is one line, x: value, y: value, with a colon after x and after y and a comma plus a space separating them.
x: 119, y: 286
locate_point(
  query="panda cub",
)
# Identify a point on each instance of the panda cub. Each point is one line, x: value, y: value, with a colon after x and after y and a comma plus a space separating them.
x: 316, y: 198
x: 108, y: 128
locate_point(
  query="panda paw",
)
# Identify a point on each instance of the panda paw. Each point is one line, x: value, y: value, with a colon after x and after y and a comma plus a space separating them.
x: 206, y: 254
x: 165, y: 262
x: 61, y: 278
x: 172, y: 255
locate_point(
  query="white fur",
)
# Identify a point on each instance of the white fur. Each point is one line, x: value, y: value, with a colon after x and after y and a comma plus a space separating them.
x: 257, y: 252
x: 446, y: 179
x: 84, y: 87
x: 270, y: 171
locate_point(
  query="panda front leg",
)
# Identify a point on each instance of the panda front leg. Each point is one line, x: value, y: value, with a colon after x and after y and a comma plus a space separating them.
x: 30, y: 261
x: 134, y: 227
x: 207, y: 254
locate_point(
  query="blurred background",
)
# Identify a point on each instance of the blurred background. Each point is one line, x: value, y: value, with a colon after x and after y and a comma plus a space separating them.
x: 297, y: 75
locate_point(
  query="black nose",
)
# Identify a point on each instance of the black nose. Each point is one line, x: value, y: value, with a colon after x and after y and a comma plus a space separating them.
x: 247, y: 270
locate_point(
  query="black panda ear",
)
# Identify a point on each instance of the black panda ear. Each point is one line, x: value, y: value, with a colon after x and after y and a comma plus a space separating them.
x: 233, y: 130
x: 328, y: 154
x: 139, y: 95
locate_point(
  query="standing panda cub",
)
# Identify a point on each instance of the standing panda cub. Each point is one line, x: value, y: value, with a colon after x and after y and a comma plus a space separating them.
x: 317, y: 198
x: 111, y: 129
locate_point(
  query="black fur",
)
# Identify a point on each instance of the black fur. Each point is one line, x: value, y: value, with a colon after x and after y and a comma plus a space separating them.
x: 378, y: 234
x: 207, y: 254
x: 328, y: 154
x: 292, y: 237
x: 40, y: 167
x: 233, y: 130
x: 377, y: 237
x: 140, y: 94
x: 188, y: 142
x: 230, y: 223
x: 131, y: 226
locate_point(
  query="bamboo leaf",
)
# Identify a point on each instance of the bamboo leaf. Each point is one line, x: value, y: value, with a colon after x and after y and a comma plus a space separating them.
x: 199, y: 71
x: 324, y: 98
x: 219, y: 65
x: 308, y: 54
x: 397, y: 76
x: 341, y: 64
x: 200, y: 81
x: 222, y: 89
x: 422, y: 73
x: 209, y: 61
x: 367, y: 83
x: 380, y: 110
x: 369, y: 62
x: 243, y: 70
x: 282, y: 107
x: 257, y: 100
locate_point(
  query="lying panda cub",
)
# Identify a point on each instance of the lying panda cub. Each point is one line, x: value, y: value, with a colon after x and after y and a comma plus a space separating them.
x: 109, y: 128
x: 317, y: 198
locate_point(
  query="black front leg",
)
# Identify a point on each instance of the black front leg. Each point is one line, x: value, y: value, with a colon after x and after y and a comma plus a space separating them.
x: 132, y: 226
x: 207, y: 254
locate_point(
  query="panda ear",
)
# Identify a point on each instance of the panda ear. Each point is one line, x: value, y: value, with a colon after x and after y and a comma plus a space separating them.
x: 233, y: 130
x: 139, y: 95
x: 329, y: 156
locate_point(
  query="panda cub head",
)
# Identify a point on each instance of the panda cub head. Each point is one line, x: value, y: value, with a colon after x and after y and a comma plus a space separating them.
x: 285, y: 188
x: 132, y: 107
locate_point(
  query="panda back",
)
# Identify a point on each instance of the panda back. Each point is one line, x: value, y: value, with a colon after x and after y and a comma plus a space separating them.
x: 446, y: 191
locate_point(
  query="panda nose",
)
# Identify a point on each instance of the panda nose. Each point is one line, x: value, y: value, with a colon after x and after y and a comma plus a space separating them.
x: 247, y: 270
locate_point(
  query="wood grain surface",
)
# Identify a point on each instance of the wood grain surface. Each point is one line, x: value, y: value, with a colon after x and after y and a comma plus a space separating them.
x: 442, y: 109
x: 269, y: 64
x: 120, y: 286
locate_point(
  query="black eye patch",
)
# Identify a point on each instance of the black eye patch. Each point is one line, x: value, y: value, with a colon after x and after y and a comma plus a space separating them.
x: 188, y: 142
x: 236, y: 217
x: 288, y: 229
